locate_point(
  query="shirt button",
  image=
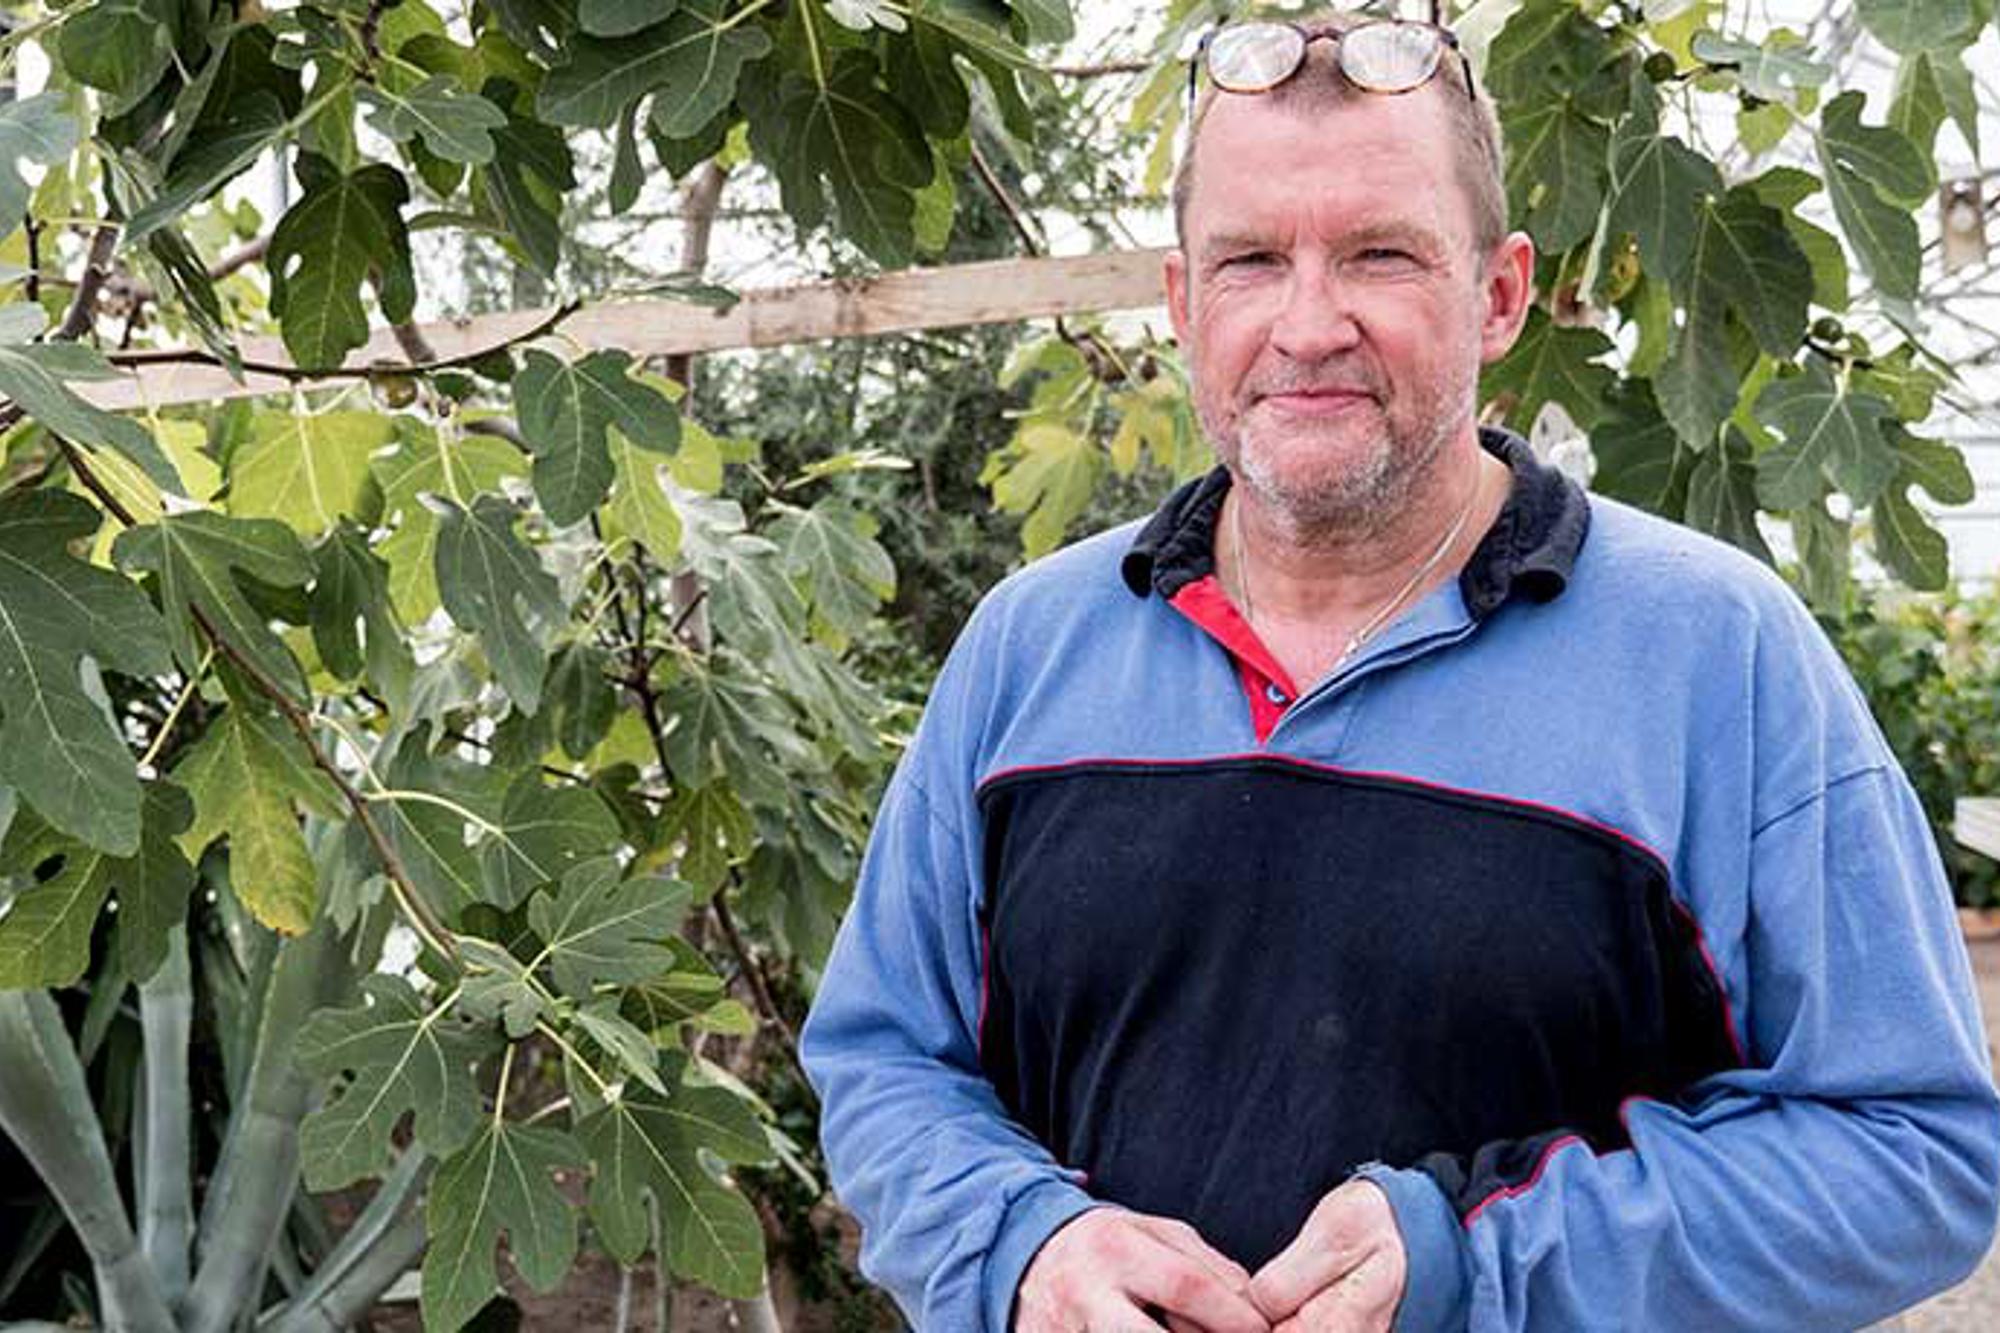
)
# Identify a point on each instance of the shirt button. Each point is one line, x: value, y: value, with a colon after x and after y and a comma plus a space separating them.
x: 1276, y: 695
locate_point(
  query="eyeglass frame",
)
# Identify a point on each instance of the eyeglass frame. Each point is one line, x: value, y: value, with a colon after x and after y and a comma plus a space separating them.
x: 1313, y: 32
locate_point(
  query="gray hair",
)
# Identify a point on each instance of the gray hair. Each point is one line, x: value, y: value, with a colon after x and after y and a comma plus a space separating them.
x: 1320, y: 87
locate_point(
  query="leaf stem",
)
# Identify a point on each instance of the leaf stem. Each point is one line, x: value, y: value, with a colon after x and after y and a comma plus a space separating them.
x: 173, y: 714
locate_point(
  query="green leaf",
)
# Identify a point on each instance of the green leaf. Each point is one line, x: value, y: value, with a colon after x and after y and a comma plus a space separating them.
x: 601, y: 929
x: 1047, y: 476
x: 621, y: 18
x: 1657, y: 185
x: 37, y: 129
x: 1046, y: 20
x: 714, y: 832
x: 502, y: 1183
x: 1773, y: 72
x: 531, y: 172
x: 581, y: 698
x: 976, y: 27
x: 847, y: 134
x: 1548, y: 45
x: 120, y: 46
x: 426, y: 465
x: 722, y: 726
x: 45, y: 935
x: 1936, y: 466
x: 566, y: 411
x: 1832, y: 434
x: 34, y: 376
x: 404, y: 1054
x: 1907, y: 545
x: 647, y: 1144
x: 59, y: 747
x: 222, y: 152
x: 1639, y: 457
x: 247, y: 775
x: 197, y: 557
x: 1555, y: 172
x: 429, y: 838
x: 499, y: 986
x: 848, y: 573
x: 307, y: 470
x: 1745, y: 263
x: 628, y: 173
x: 626, y: 1044
x: 1882, y: 232
x: 1825, y: 548
x: 493, y: 584
x: 691, y: 62
x: 353, y: 620
x: 640, y: 508
x: 1911, y: 26
x: 1551, y: 362
x: 342, y: 233
x: 456, y: 125
x: 543, y: 833
x: 1743, y: 259
x: 1876, y: 154
x: 1722, y: 496
x: 920, y: 69
x: 542, y: 27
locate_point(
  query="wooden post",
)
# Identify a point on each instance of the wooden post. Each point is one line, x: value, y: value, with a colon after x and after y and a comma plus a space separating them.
x: 998, y: 292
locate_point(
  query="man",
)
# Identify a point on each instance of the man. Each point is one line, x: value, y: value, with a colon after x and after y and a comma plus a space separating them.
x: 1390, y: 885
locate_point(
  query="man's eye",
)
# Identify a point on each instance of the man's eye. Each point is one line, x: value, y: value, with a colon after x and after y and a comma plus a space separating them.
x: 1385, y: 255
x: 1250, y: 259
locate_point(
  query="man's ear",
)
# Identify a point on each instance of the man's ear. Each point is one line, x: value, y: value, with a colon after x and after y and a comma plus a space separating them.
x: 1509, y: 287
x: 1174, y: 273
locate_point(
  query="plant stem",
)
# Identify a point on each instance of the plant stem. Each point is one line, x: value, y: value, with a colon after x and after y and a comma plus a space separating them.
x: 45, y: 1107
x: 166, y: 1209
x: 259, y: 1169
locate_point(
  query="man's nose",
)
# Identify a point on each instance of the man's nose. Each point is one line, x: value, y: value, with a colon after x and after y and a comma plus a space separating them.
x: 1317, y: 319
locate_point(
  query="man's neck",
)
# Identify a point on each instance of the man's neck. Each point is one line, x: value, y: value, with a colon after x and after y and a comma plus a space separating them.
x: 1309, y: 592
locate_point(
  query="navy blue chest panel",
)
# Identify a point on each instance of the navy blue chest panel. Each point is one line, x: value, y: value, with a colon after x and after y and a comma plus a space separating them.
x: 1220, y: 986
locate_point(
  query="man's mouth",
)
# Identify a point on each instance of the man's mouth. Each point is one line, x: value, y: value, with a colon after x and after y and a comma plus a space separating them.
x: 1317, y: 401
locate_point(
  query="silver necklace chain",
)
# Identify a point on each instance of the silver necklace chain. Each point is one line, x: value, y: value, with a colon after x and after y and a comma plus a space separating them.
x: 1374, y: 623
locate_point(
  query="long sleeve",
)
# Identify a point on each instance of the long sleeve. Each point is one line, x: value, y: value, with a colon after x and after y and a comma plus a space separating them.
x: 1847, y: 1170
x: 953, y: 1197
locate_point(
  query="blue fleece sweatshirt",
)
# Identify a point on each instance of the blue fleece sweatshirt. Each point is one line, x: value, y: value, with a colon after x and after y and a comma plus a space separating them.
x: 1586, y: 911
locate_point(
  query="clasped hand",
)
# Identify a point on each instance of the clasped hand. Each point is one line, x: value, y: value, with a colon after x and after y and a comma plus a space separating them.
x: 1114, y: 1271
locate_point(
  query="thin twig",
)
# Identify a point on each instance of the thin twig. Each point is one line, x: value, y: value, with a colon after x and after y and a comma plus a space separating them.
x: 96, y: 268
x: 760, y: 990
x: 1100, y: 71
x: 198, y: 356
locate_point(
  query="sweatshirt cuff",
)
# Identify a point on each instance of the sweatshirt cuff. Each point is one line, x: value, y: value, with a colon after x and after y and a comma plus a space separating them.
x: 1034, y: 1215
x: 1437, y: 1284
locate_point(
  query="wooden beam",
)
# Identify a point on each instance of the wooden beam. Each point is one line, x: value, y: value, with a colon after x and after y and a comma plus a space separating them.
x: 927, y: 298
x: 1976, y: 824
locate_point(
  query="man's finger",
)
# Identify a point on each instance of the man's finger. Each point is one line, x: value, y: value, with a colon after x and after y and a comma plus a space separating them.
x: 1177, y: 1285
x: 1362, y: 1302
x: 1112, y: 1312
x: 1184, y: 1238
x: 1348, y: 1225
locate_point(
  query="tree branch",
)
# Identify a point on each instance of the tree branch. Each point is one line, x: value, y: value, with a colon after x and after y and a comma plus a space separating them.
x: 96, y: 268
x: 297, y: 374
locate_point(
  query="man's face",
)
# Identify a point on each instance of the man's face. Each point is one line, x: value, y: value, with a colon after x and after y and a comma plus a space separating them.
x: 1329, y: 301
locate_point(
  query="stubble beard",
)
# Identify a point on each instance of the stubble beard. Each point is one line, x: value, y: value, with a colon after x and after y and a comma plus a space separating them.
x: 1351, y: 499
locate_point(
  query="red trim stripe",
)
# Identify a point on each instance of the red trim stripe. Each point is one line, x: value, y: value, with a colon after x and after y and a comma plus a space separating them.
x: 1700, y: 937
x: 1534, y: 1178
x: 1206, y: 604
